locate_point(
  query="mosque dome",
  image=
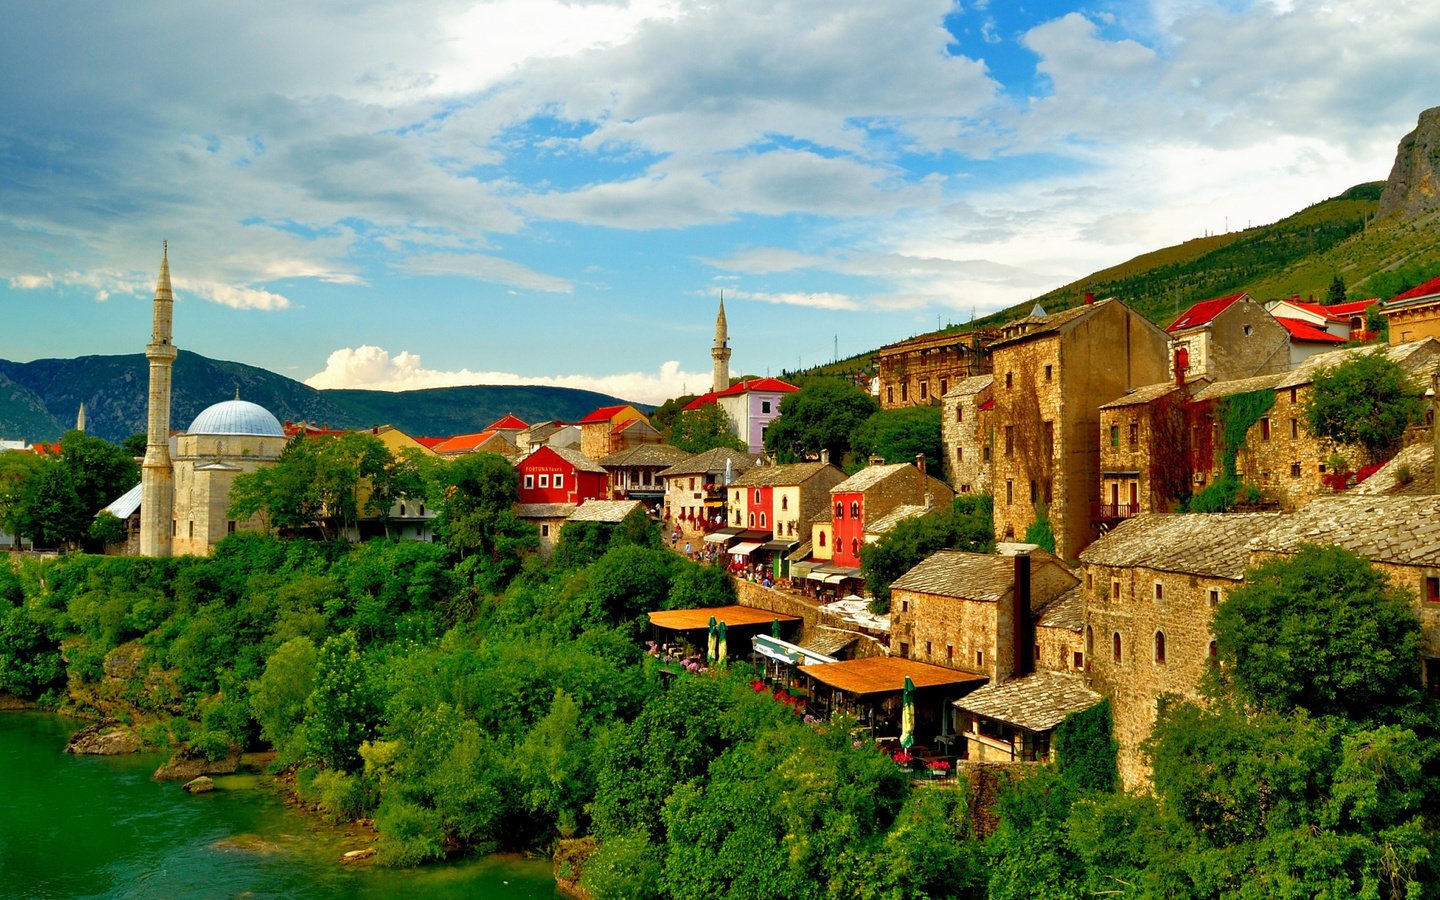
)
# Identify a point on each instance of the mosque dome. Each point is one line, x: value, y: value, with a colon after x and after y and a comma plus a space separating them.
x: 236, y: 417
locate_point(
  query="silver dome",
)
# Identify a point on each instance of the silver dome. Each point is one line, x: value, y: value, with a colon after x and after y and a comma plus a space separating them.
x: 237, y: 417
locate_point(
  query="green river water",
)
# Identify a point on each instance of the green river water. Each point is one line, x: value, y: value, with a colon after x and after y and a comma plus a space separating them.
x: 78, y: 826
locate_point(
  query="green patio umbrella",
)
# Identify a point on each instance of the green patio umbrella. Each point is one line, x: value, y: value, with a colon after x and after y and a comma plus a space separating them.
x: 775, y: 629
x: 712, y: 643
x: 907, y: 714
x: 721, y: 649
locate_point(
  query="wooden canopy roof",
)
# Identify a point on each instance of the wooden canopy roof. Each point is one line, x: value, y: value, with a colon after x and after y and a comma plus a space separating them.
x: 732, y: 616
x: 886, y: 674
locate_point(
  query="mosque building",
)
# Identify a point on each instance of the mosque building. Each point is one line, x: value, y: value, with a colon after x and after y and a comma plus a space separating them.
x: 185, y: 481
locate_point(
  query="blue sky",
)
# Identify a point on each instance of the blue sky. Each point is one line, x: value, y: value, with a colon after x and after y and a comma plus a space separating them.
x: 439, y: 192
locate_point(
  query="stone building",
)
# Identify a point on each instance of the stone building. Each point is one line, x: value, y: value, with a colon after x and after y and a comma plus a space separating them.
x: 1400, y: 535
x: 1227, y: 337
x: 1414, y: 314
x: 871, y: 494
x: 1052, y: 374
x: 1150, y: 588
x: 635, y: 472
x: 923, y: 369
x: 1013, y: 721
x: 976, y: 611
x: 695, y: 489
x: 1144, y: 463
x: 785, y: 499
x: 231, y: 438
x: 967, y: 432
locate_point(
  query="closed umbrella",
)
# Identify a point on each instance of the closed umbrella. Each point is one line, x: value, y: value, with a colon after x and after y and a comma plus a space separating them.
x: 712, y: 642
x: 722, y: 651
x: 775, y: 629
x: 907, y: 714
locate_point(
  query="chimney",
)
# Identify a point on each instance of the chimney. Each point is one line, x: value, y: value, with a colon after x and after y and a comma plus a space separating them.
x: 1182, y: 362
x: 1024, y: 626
x: 1089, y: 298
x: 825, y: 455
x: 875, y: 460
x: 920, y: 462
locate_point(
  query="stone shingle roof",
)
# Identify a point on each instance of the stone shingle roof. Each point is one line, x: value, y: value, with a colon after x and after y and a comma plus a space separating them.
x: 712, y: 461
x: 1145, y: 394
x: 1213, y: 544
x: 1419, y: 459
x: 663, y: 455
x: 544, y: 510
x: 970, y: 576
x: 610, y: 511
x: 780, y: 476
x: 1403, y: 530
x: 974, y: 384
x: 1036, y: 702
x: 580, y: 461
x: 868, y: 477
x: 895, y: 517
x: 1239, y: 386
x: 1035, y: 326
x: 1065, y: 611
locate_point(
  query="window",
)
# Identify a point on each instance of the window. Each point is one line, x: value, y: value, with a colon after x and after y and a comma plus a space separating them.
x: 1265, y: 428
x: 904, y: 606
x: 692, y: 482
x: 1009, y: 380
x: 964, y: 488
x: 944, y: 386
x: 402, y: 509
x: 959, y: 454
x: 1294, y: 429
x: 959, y: 413
x: 839, y: 510
x: 904, y: 391
x: 1160, y: 648
x: 904, y: 650
x: 422, y: 509
x: 1159, y: 591
x: 1079, y: 661
x: 924, y: 393
x: 1089, y: 581
x: 230, y: 527
x: 822, y: 538
x: 1034, y: 491
x: 927, y: 648
x: 1009, y: 440
x: 1294, y: 470
x: 1432, y: 589
x: 855, y: 551
x: 192, y: 528
x: 1134, y: 433
x: 544, y: 481
x: 752, y: 520
x: 1049, y: 372
x: 1248, y: 330
x: 889, y: 395
x: 1115, y: 646
x: 785, y: 502
x: 558, y: 482
x: 762, y: 520
x: 979, y: 659
x: 1292, y: 395
x: 1114, y: 435
x: 544, y: 530
x: 854, y: 509
x: 1009, y: 491
x: 950, y: 653
x: 1214, y: 598
x: 765, y: 406
x: 1114, y: 589
x: 529, y: 482
x: 1089, y: 640
x: 757, y: 495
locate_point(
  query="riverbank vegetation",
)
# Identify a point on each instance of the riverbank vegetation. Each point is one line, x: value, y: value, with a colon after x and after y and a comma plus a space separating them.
x: 469, y: 696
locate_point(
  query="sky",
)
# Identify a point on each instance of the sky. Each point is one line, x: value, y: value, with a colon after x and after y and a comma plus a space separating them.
x: 441, y: 192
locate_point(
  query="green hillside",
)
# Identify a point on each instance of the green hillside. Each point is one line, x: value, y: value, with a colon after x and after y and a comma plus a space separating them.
x: 38, y: 400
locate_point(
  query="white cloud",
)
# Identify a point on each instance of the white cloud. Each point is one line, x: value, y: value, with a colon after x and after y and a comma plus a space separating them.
x: 814, y: 300
x: 373, y: 368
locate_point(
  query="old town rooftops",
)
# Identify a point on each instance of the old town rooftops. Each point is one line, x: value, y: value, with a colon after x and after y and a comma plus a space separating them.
x: 1037, y: 702
x: 1204, y: 312
x: 972, y: 384
x: 971, y: 576
x: 1196, y: 543
x: 787, y: 475
x: 712, y: 462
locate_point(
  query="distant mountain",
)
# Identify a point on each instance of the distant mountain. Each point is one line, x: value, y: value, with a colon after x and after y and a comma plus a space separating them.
x: 38, y: 400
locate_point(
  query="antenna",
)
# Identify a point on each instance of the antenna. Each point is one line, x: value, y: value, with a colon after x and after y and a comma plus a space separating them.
x: 837, y: 348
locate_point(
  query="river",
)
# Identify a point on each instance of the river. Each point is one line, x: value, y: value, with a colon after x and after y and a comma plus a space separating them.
x: 88, y: 826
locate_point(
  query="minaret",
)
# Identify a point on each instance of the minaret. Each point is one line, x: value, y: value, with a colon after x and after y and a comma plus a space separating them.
x: 721, y: 353
x: 157, y: 490
x: 80, y: 418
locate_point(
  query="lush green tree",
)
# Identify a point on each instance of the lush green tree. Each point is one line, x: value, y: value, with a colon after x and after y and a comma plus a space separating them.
x: 664, y: 416
x: 1367, y: 401
x: 107, y: 528
x: 16, y: 468
x: 51, y: 513
x: 30, y: 663
x: 822, y: 415
x: 475, y: 495
x: 706, y: 428
x: 965, y: 524
x: 101, y: 470
x: 136, y: 444
x: 279, y: 696
x: 1322, y: 631
x: 327, y: 483
x: 343, y: 710
x: 899, y: 435
x: 1336, y: 292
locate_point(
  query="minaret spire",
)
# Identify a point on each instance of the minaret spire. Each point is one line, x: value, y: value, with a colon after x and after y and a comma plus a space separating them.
x: 157, y: 498
x: 721, y: 352
x: 80, y: 417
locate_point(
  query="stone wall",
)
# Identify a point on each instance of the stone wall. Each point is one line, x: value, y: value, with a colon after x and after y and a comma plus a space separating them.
x: 921, y: 370
x: 1123, y: 601
x: 1056, y: 649
x: 1282, y: 458
x: 965, y: 433
x: 969, y: 635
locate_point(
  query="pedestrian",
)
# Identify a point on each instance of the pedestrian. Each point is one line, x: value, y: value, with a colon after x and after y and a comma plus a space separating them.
x: 688, y: 551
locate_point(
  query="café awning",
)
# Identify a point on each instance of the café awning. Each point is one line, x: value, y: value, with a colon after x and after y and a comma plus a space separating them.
x: 699, y: 618
x: 786, y: 652
x: 722, y: 535
x: 886, y: 675
x: 745, y: 548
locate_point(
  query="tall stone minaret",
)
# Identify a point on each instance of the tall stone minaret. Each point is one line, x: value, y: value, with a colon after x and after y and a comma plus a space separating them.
x: 721, y: 352
x: 157, y: 489
x: 80, y: 418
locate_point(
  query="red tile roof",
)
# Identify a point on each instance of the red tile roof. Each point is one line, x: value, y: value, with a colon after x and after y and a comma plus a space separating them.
x: 462, y: 443
x: 40, y: 448
x: 1351, y: 308
x: 430, y: 443
x: 1203, y: 312
x: 509, y: 423
x: 603, y: 414
x: 1420, y: 290
x: 1323, y: 312
x: 757, y: 385
x: 702, y: 400
x: 294, y: 428
x: 1304, y: 331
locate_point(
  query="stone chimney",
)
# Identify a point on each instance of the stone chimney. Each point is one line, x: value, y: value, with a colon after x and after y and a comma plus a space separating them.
x: 825, y: 455
x: 1024, y: 624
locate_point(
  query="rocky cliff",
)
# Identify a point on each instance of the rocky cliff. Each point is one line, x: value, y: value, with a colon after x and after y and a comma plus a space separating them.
x: 1413, y: 188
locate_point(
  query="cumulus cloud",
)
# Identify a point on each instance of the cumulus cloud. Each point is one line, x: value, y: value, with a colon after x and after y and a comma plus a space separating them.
x: 373, y: 368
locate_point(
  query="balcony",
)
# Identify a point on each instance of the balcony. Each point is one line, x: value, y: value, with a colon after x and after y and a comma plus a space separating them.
x: 1108, y: 512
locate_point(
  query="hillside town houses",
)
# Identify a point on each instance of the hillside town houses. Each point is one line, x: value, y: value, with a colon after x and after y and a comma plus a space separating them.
x: 1089, y: 424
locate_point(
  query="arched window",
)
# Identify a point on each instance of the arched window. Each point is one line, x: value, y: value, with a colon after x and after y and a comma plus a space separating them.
x: 1213, y: 651
x: 752, y: 520
x: 402, y: 509
x: 757, y: 495
x: 822, y: 538
x: 1160, y: 648
x: 1115, y: 646
x: 762, y: 520
x: 839, y: 510
x: 854, y: 509
x: 854, y: 546
x: 785, y: 502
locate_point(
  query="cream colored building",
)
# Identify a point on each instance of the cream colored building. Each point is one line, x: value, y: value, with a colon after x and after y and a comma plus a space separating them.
x: 228, y: 439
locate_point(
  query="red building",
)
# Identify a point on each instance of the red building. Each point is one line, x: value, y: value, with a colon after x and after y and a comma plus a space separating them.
x: 560, y: 475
